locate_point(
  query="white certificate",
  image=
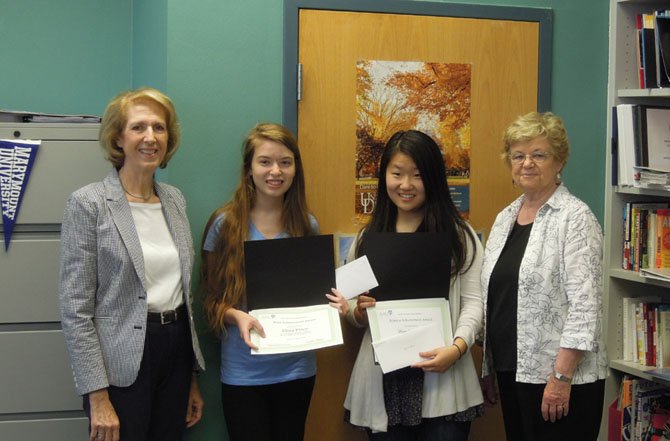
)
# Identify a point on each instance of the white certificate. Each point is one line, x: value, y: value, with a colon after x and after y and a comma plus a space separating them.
x: 392, y: 317
x: 296, y: 329
x: 402, y: 350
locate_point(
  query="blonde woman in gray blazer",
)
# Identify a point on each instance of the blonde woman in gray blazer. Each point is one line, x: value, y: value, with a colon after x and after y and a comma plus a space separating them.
x: 125, y: 295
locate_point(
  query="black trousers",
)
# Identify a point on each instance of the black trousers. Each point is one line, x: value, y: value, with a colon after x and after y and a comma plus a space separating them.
x: 272, y: 412
x: 153, y: 408
x: 522, y: 414
x: 430, y: 429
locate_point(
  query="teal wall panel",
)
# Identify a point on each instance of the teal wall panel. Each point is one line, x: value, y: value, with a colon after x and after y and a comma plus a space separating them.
x: 65, y: 56
x: 149, y: 43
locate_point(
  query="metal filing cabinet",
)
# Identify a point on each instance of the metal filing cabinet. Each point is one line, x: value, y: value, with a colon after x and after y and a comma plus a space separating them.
x: 37, y: 395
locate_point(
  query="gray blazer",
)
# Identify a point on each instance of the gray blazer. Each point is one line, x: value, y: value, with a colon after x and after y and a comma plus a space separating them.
x: 103, y: 293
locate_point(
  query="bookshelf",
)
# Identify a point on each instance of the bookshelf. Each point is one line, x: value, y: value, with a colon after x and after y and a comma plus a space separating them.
x: 623, y: 88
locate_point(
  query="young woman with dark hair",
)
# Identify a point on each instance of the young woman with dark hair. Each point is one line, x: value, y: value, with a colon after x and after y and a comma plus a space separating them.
x: 438, y: 398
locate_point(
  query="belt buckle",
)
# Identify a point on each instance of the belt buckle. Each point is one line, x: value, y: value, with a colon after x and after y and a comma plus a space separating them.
x: 168, y: 317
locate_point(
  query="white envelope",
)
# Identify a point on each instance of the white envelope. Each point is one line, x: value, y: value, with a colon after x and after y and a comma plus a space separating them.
x: 402, y: 350
x: 355, y: 278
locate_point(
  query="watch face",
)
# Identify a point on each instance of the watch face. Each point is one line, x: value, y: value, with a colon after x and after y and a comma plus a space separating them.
x: 561, y: 377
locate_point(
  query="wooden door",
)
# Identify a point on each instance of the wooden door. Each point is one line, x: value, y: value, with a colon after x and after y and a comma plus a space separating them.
x: 504, y: 58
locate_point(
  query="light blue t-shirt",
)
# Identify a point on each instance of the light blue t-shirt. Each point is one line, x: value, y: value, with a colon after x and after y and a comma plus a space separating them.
x: 238, y: 366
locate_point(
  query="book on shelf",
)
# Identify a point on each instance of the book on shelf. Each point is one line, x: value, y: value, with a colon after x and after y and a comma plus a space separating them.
x: 645, y: 177
x: 642, y: 149
x: 646, y: 331
x: 662, y: 274
x: 642, y: 227
x: 656, y: 129
x: 639, y: 411
x: 625, y: 145
x: 663, y: 336
x: 614, y: 144
x: 662, y: 238
x: 638, y: 49
x: 652, y: 48
x: 662, y: 46
x: 647, y: 397
x: 647, y: 46
x: 638, y: 402
x: 626, y: 400
x: 660, y: 421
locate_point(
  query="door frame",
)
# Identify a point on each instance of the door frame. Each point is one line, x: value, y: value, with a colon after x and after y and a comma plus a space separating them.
x: 543, y: 16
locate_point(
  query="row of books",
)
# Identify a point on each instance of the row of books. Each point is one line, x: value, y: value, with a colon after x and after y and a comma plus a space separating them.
x: 646, y: 237
x: 646, y: 331
x: 653, y: 49
x: 641, y: 143
x: 641, y: 412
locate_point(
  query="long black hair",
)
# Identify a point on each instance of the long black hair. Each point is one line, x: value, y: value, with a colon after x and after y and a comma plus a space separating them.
x: 440, y: 213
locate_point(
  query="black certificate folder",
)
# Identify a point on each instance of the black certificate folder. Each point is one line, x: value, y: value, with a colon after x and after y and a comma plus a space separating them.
x: 292, y: 272
x: 409, y: 265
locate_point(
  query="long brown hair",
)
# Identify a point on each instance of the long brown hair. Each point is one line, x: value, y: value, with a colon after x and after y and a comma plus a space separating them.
x: 223, y: 280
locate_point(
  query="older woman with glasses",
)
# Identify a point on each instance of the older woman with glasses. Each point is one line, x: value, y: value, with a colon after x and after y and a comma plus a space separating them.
x: 542, y: 286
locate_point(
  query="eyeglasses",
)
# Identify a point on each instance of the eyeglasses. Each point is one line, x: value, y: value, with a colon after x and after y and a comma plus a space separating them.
x: 519, y: 158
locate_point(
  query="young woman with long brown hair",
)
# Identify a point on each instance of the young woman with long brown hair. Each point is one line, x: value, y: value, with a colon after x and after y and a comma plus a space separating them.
x: 265, y: 397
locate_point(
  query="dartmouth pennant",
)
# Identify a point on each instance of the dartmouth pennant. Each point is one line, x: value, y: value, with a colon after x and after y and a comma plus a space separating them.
x: 16, y: 160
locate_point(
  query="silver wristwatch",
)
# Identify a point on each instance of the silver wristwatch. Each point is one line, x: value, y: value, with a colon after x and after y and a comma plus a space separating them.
x: 561, y: 377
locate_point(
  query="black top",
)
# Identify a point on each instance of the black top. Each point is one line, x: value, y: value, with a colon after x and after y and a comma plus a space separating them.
x: 502, y: 300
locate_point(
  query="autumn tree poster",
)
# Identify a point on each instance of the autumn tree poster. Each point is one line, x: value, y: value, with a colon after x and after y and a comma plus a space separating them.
x: 404, y: 95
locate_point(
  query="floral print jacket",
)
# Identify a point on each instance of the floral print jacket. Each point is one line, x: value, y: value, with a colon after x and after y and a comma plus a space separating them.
x: 560, y: 287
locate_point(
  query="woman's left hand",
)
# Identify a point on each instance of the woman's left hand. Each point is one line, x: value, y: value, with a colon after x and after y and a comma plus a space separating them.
x: 338, y: 302
x: 440, y: 359
x: 555, y: 400
x: 195, y: 404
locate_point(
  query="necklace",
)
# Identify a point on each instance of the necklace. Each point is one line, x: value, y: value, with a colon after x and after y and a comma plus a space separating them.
x: 144, y: 198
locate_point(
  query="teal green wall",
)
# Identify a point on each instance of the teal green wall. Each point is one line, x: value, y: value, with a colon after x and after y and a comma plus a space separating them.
x: 149, y: 43
x: 221, y: 62
x: 64, y: 56
x: 224, y: 74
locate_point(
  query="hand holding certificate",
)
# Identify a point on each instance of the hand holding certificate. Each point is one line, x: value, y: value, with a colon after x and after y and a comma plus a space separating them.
x: 296, y: 329
x: 427, y: 321
x: 281, y: 292
x: 402, y: 350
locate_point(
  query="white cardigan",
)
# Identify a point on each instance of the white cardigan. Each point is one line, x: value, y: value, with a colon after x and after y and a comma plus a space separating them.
x: 446, y: 393
x: 560, y: 302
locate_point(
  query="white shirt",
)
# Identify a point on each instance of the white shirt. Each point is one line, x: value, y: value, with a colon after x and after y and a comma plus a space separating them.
x: 161, y: 258
x: 560, y: 287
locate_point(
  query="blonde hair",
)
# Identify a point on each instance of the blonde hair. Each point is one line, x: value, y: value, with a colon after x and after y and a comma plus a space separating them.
x: 116, y: 116
x: 223, y: 275
x: 538, y: 125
